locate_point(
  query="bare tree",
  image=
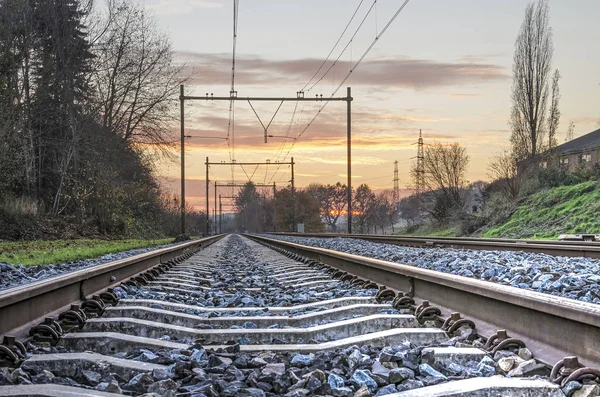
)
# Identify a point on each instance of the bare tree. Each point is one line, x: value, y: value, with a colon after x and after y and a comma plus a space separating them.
x: 445, y: 169
x: 503, y: 168
x: 249, y: 208
x: 531, y: 72
x: 364, y: 201
x: 554, y: 116
x: 331, y: 199
x: 135, y: 75
x: 409, y: 209
x: 307, y: 211
x: 385, y: 212
x: 570, y: 132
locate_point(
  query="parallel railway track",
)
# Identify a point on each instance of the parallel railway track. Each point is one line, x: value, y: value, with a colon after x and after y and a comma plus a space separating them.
x: 195, y: 304
x: 549, y: 247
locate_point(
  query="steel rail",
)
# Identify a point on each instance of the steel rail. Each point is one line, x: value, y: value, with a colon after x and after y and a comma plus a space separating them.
x: 552, y: 327
x: 23, y: 306
x: 555, y: 248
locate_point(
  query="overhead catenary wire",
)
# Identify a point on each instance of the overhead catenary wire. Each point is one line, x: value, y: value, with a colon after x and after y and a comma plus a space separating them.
x: 284, y: 141
x: 346, y: 46
x: 353, y: 68
x: 231, y: 123
x: 334, y: 46
x: 235, y: 23
x: 357, y: 169
x: 358, y: 62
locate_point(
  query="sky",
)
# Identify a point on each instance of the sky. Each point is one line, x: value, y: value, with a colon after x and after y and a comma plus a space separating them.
x: 442, y: 67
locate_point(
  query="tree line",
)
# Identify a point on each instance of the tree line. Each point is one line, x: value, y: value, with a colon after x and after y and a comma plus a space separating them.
x: 86, y: 96
x: 320, y: 207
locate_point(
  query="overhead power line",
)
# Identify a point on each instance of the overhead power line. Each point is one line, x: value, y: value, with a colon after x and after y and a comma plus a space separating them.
x: 231, y: 122
x: 354, y: 66
x: 346, y: 47
x: 334, y: 46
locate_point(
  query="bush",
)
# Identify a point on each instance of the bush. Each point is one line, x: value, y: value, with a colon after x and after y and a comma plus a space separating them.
x: 17, y: 227
x: 444, y: 209
x: 548, y: 178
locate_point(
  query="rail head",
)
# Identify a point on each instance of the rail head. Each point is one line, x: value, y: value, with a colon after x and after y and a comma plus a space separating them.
x: 556, y: 248
x: 567, y: 325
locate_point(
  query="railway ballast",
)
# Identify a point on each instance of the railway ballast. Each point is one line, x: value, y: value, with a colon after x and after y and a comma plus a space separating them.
x: 241, y: 319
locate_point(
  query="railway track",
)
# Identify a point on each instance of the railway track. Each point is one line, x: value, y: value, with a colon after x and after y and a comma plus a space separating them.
x: 557, y: 248
x: 261, y: 317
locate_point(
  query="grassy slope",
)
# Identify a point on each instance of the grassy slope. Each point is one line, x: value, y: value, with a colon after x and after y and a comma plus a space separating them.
x: 59, y: 251
x: 433, y: 231
x: 565, y: 209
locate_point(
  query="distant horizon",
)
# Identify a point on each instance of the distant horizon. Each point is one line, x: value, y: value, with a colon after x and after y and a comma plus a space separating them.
x: 196, y: 188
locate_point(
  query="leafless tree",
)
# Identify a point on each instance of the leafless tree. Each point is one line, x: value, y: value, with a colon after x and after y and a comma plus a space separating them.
x: 531, y: 73
x: 570, y: 132
x: 445, y: 170
x: 385, y: 210
x: 136, y: 77
x: 364, y: 201
x: 503, y: 168
x: 554, y: 116
x: 409, y: 209
x: 332, y: 201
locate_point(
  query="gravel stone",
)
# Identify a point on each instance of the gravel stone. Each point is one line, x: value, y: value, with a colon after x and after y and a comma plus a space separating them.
x: 361, y: 378
x: 528, y: 368
x: 570, y: 388
x: 273, y: 369
x: 427, y: 370
x: 389, y: 389
x: 139, y: 383
x: 398, y: 375
x: 342, y: 392
x: 363, y: 392
x: 302, y: 360
x: 335, y: 381
x: 91, y: 378
x: 525, y: 353
x: 587, y: 391
x: 6, y: 378
x: 109, y: 387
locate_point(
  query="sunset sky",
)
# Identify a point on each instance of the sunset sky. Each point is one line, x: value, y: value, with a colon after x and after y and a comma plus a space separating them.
x: 443, y: 67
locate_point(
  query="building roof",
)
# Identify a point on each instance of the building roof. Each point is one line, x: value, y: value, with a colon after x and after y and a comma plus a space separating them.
x: 582, y: 144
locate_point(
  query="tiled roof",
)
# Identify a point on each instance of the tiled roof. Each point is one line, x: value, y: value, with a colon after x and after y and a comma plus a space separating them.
x: 583, y: 143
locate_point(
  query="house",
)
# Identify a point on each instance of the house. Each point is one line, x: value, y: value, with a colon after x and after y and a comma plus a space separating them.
x: 579, y: 152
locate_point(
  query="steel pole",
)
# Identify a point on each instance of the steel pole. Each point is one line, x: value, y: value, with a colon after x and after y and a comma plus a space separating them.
x: 207, y: 199
x: 215, y: 210
x: 182, y: 124
x: 293, y: 200
x: 349, y: 157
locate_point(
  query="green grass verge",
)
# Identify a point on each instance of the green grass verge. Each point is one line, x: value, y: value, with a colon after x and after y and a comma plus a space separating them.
x: 48, y: 252
x: 549, y: 213
x: 432, y: 231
